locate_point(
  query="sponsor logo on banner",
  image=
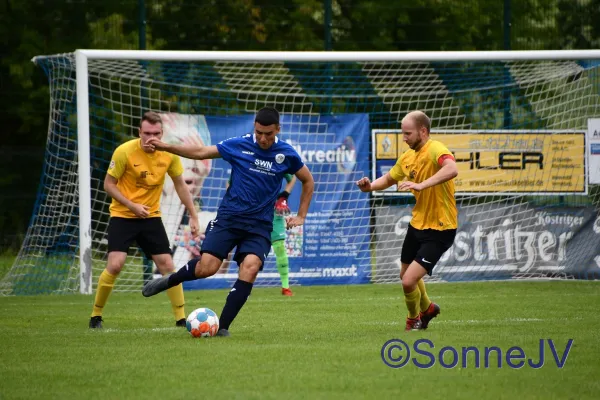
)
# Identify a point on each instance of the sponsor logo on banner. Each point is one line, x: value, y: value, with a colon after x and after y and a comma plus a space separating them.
x: 494, y: 161
x: 495, y: 241
x: 343, y: 155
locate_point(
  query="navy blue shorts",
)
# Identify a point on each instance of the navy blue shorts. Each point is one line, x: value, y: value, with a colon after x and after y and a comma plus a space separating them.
x: 249, y: 237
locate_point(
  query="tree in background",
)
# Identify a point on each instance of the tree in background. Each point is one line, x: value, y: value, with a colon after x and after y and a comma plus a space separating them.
x: 36, y: 27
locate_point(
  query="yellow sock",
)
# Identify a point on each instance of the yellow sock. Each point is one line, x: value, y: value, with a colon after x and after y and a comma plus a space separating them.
x: 105, y: 286
x: 177, y: 301
x: 425, y: 302
x: 412, y: 300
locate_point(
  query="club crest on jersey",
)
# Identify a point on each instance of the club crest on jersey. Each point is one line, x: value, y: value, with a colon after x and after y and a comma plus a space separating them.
x: 412, y: 174
x: 279, y: 158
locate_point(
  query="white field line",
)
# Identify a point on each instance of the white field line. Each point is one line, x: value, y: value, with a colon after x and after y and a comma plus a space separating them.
x: 372, y: 323
x: 480, y: 321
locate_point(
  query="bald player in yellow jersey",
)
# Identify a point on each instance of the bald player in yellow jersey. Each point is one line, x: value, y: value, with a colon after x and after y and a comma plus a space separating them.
x: 135, y: 181
x: 427, y: 170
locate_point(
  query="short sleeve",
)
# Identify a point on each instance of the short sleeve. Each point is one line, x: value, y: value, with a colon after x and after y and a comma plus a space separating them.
x: 227, y: 147
x: 396, y: 172
x: 118, y: 163
x: 176, y: 167
x: 439, y: 153
x: 295, y: 163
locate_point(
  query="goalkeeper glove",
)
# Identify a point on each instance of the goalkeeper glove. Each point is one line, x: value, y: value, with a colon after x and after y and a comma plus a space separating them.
x: 281, y: 205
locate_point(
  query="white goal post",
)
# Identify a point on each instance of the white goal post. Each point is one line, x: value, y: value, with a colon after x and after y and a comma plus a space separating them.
x: 464, y: 92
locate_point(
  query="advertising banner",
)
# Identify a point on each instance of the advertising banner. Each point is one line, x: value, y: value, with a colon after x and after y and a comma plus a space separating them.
x: 501, y: 241
x: 493, y: 161
x: 335, y: 236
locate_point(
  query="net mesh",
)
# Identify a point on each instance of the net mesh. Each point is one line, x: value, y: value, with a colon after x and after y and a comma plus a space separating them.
x: 502, y: 233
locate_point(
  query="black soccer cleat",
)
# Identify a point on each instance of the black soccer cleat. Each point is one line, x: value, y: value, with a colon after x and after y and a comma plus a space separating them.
x: 156, y: 286
x: 223, y: 332
x: 432, y: 311
x: 181, y: 322
x: 96, y: 322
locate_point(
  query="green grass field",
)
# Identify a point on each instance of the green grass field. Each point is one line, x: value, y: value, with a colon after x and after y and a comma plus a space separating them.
x: 325, y: 342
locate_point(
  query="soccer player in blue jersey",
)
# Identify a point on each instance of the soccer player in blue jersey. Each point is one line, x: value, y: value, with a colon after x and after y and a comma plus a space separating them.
x: 244, y: 219
x: 278, y: 235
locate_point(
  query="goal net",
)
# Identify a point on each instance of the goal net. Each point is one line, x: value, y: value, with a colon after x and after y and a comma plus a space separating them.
x: 522, y: 130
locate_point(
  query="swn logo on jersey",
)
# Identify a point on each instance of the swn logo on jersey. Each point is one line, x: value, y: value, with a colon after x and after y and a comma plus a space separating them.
x: 262, y: 164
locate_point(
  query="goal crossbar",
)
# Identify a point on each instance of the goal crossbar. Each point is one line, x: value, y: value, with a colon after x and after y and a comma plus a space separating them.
x: 83, y: 104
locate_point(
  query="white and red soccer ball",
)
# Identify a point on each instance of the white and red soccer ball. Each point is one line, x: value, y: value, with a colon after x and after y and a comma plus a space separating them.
x: 202, y: 322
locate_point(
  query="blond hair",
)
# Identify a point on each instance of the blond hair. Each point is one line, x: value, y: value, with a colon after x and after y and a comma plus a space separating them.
x: 420, y: 119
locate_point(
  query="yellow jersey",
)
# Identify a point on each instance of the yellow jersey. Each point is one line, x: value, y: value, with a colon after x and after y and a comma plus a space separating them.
x: 436, y: 205
x: 141, y: 176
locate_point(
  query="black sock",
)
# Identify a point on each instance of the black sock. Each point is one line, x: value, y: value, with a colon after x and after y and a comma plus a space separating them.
x: 187, y: 273
x: 235, y: 301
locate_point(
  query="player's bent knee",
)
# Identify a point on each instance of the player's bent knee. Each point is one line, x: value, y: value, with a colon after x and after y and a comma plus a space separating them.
x: 115, y: 262
x: 164, y: 263
x: 250, y: 267
x: 114, y: 269
x: 409, y: 280
x: 409, y: 284
x: 248, y: 274
x: 207, y: 266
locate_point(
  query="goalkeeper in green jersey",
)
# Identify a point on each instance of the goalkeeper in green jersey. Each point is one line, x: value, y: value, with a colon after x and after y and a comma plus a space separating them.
x: 278, y: 234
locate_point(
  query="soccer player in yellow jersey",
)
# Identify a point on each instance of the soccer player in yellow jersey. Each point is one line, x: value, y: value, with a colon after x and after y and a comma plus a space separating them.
x: 427, y: 170
x: 134, y: 180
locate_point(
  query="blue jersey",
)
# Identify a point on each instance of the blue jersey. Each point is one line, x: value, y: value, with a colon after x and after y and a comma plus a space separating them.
x: 256, y: 176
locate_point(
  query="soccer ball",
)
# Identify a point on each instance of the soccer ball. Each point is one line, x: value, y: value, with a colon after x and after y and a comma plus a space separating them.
x: 202, y: 322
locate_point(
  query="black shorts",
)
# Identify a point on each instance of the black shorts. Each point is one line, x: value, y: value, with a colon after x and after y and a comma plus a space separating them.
x: 426, y: 246
x: 149, y: 233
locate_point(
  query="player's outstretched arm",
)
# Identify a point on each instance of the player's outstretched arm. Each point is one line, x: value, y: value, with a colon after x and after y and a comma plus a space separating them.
x: 381, y: 183
x: 308, y: 187
x: 193, y: 150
